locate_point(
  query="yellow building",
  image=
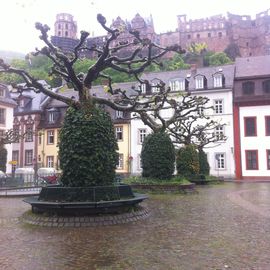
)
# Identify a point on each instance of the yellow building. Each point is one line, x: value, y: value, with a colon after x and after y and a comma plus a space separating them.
x: 47, y: 147
x: 122, y: 133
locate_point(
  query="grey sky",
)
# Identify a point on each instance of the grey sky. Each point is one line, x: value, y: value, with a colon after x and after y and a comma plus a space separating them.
x: 19, y: 16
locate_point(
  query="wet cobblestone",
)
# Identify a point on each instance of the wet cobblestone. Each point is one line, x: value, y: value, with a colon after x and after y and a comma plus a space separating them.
x: 221, y: 227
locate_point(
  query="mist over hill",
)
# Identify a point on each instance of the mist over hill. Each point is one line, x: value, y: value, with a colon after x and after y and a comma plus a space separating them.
x: 7, y: 56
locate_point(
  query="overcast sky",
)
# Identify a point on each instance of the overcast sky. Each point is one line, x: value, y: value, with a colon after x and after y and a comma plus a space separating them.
x: 19, y: 16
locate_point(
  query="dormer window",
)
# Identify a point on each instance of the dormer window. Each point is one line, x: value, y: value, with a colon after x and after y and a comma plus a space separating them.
x: 155, y: 88
x: 248, y: 88
x: 119, y: 114
x: 218, y: 80
x: 51, y: 117
x: 178, y: 85
x: 143, y: 88
x: 2, y: 92
x: 21, y: 103
x: 200, y: 82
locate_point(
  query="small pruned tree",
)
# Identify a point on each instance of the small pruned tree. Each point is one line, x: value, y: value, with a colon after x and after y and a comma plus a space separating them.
x: 142, y: 54
x: 158, y: 156
x: 204, y: 165
x: 196, y: 127
x: 187, y: 161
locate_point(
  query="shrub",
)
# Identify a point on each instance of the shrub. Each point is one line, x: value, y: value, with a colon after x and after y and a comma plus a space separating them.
x: 187, y: 161
x: 204, y: 165
x: 3, y: 158
x: 158, y: 156
x: 87, y: 148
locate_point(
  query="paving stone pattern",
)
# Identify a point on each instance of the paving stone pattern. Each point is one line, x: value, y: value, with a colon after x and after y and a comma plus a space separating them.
x: 220, y: 227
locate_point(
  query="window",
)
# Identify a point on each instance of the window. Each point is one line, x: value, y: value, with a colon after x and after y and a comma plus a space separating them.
x: 250, y: 125
x: 2, y: 92
x: 29, y: 134
x: 268, y: 159
x: 40, y: 138
x: 120, y: 165
x: 2, y: 133
x: 50, y: 161
x: 50, y: 137
x: 252, y: 160
x: 142, y: 135
x: 2, y: 116
x: 16, y: 132
x: 220, y: 160
x: 199, y: 82
x: 267, y: 125
x: 119, y: 133
x: 139, y: 163
x: 217, y: 80
x: 198, y: 36
x: 219, y: 34
x: 21, y: 103
x: 119, y: 114
x: 28, y: 157
x: 66, y: 33
x: 266, y: 87
x: 52, y: 117
x: 178, y: 85
x: 15, y: 157
x: 219, y: 132
x: 188, y: 36
x: 218, y: 106
x: 143, y: 88
x: 209, y: 34
x: 248, y: 88
x: 155, y: 88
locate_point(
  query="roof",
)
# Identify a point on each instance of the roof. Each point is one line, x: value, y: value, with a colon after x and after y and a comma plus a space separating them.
x: 6, y: 99
x: 252, y: 66
x: 208, y: 72
x: 95, y: 90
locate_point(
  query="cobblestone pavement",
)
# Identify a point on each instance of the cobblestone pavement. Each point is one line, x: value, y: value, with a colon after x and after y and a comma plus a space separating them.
x: 220, y: 227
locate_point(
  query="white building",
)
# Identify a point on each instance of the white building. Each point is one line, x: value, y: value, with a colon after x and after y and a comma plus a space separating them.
x: 216, y: 84
x: 6, y: 119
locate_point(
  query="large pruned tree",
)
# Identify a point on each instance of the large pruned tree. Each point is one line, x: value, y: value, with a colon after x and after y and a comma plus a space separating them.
x: 84, y: 107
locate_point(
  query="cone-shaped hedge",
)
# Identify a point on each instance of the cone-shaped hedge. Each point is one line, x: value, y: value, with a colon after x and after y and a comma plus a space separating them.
x: 158, y: 156
x: 87, y: 148
x: 187, y: 161
x: 204, y: 165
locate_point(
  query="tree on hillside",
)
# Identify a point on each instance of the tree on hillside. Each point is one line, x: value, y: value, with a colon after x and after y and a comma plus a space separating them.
x: 85, y: 118
x: 218, y: 59
x: 232, y: 51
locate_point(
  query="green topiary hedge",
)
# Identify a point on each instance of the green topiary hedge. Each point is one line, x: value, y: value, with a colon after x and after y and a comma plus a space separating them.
x: 3, y: 158
x: 87, y: 148
x: 187, y: 161
x: 204, y: 165
x: 158, y: 156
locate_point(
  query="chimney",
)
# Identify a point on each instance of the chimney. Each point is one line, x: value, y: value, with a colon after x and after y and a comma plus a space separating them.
x: 193, y: 69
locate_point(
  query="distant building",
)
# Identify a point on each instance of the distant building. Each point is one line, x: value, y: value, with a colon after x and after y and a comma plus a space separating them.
x: 250, y: 36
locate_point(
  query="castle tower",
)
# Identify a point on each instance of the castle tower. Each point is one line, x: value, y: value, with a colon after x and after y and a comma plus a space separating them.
x: 65, y: 26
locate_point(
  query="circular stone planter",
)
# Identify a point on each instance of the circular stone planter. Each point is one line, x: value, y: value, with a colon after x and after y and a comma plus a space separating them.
x: 79, y: 201
x: 139, y: 213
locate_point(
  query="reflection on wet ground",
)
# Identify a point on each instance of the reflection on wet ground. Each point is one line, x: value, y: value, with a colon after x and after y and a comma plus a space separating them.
x: 220, y: 227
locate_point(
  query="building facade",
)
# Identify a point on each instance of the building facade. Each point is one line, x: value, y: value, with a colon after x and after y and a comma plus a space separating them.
x: 7, y: 106
x: 215, y: 83
x: 252, y: 117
